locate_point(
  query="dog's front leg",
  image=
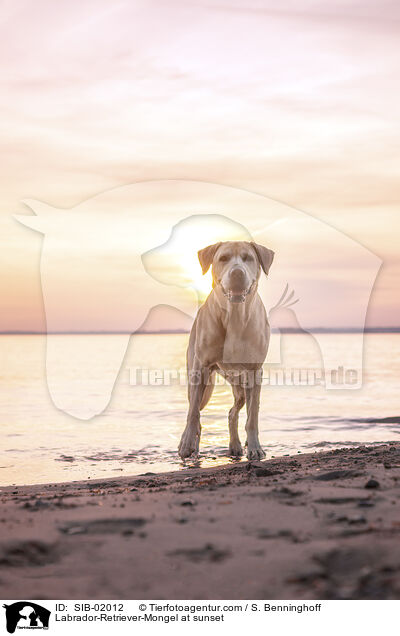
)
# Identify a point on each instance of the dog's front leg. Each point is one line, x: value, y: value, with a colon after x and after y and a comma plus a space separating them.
x: 254, y: 450
x: 190, y: 440
x: 235, y: 447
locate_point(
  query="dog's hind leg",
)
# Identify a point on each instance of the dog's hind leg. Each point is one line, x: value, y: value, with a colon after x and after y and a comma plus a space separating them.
x: 209, y: 388
x: 235, y: 447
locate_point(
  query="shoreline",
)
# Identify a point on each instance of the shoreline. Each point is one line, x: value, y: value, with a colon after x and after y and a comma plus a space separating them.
x: 306, y: 526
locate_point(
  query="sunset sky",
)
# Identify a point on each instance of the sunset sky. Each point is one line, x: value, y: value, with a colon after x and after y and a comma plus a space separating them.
x: 299, y: 104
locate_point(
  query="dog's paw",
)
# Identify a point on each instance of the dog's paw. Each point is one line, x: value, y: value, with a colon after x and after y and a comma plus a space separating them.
x: 255, y: 452
x: 188, y: 446
x: 235, y: 449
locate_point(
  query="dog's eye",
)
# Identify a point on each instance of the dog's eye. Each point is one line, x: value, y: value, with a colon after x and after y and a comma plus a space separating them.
x: 224, y: 258
x: 247, y: 257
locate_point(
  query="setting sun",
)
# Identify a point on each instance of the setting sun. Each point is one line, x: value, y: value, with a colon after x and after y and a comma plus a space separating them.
x: 177, y: 259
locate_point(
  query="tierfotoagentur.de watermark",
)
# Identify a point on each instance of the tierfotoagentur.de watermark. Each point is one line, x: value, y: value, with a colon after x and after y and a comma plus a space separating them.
x: 267, y: 376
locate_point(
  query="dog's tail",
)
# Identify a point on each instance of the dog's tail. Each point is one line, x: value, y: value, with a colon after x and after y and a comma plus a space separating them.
x: 208, y: 391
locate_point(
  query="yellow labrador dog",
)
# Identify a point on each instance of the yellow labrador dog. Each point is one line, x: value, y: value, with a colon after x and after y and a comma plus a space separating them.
x: 230, y: 336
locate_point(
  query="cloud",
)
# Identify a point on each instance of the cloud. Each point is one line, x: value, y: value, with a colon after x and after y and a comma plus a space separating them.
x: 299, y: 103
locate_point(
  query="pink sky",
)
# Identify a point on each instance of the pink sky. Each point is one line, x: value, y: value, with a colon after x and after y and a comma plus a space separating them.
x: 299, y: 104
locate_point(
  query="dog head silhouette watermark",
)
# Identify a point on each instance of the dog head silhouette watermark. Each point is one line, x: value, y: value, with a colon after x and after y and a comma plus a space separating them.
x: 114, y: 262
x: 26, y: 615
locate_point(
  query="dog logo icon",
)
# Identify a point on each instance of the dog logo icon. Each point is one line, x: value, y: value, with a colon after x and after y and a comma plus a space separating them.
x: 26, y: 615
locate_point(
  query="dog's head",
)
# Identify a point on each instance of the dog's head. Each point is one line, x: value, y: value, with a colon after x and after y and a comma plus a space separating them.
x: 236, y: 266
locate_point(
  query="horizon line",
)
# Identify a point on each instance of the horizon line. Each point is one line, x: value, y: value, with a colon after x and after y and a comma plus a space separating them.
x: 395, y: 329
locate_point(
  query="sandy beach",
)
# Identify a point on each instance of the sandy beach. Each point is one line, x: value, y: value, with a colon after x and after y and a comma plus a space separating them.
x: 314, y: 526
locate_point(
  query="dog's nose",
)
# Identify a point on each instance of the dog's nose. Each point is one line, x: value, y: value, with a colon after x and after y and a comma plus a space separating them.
x: 237, y: 278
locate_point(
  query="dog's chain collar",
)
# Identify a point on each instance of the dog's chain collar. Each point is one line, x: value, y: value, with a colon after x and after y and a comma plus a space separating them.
x: 229, y: 295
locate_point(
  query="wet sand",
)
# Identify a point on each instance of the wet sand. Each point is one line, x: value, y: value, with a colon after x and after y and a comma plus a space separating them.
x: 313, y: 526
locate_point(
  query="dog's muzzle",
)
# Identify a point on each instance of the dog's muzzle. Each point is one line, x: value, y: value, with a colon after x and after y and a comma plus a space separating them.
x: 237, y: 291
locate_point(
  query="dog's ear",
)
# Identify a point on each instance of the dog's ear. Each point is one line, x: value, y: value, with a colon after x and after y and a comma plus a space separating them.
x: 265, y: 256
x: 206, y: 256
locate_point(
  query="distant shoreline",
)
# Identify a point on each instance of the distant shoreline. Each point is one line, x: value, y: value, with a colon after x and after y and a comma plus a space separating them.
x: 186, y: 331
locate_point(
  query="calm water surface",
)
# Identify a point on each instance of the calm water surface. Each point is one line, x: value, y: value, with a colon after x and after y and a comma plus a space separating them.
x: 139, y: 431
